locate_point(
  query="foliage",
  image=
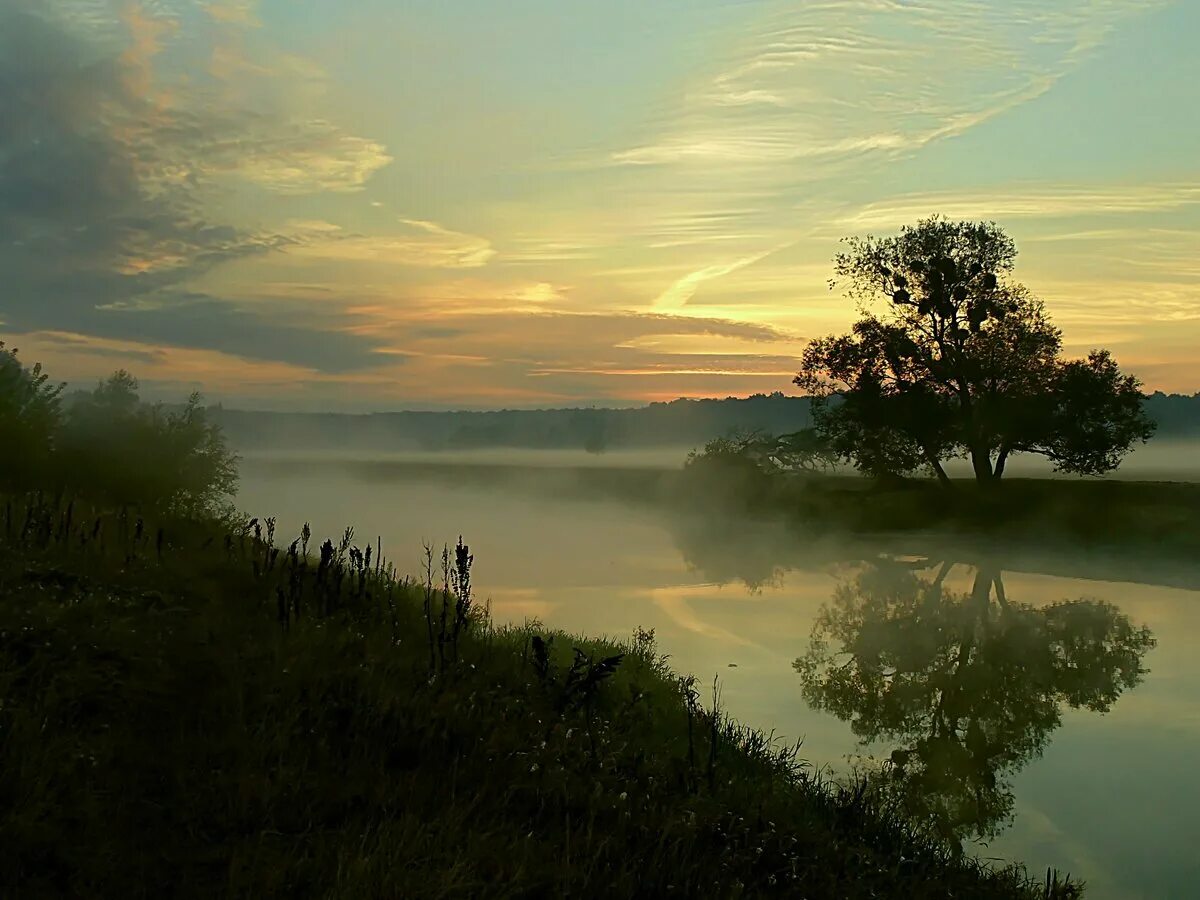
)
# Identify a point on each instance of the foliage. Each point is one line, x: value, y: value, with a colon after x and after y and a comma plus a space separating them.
x: 199, y: 713
x: 108, y: 445
x: 970, y: 688
x: 1094, y: 416
x: 751, y: 461
x: 803, y: 451
x: 962, y: 361
x: 729, y: 470
x: 30, y: 415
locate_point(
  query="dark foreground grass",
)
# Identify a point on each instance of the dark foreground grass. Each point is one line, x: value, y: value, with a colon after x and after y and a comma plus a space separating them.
x: 187, y: 711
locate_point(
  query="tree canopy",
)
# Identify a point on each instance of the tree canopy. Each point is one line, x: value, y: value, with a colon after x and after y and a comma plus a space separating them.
x: 30, y: 411
x: 129, y: 452
x: 953, y: 358
x: 108, y: 445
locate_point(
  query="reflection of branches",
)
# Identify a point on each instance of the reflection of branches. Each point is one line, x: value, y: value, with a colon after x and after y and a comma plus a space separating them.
x: 970, y: 689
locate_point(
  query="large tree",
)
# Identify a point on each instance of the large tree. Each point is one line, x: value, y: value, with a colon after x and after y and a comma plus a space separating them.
x: 953, y: 358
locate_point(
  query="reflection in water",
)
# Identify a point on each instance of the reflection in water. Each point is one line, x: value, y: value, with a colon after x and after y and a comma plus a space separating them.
x: 969, y: 685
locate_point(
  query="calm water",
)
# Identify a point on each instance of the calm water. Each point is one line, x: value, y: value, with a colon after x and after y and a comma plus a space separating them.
x: 998, y: 662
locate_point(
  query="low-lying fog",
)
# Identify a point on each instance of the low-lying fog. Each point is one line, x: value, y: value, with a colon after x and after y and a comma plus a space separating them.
x: 1112, y: 796
x: 1156, y: 461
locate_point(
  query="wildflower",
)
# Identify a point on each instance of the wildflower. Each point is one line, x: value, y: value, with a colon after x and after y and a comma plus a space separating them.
x: 533, y: 768
x: 623, y: 796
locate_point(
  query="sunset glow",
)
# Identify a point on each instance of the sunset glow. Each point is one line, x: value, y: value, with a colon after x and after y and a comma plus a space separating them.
x: 380, y: 205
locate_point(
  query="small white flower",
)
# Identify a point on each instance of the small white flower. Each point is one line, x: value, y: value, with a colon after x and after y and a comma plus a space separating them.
x: 624, y: 796
x: 533, y: 768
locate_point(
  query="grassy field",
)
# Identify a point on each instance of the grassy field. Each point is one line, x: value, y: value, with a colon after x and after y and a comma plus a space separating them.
x: 206, y: 709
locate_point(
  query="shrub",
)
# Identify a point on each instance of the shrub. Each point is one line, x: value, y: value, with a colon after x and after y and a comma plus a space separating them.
x: 121, y: 451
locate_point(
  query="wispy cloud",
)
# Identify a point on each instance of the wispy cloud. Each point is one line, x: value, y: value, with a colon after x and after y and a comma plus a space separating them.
x: 307, y: 157
x: 1023, y: 201
x: 818, y: 84
x: 418, y: 243
x: 680, y: 292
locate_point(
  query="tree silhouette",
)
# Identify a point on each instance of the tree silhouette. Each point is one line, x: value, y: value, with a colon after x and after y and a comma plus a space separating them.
x: 30, y: 415
x: 118, y: 449
x: 969, y: 686
x: 961, y: 362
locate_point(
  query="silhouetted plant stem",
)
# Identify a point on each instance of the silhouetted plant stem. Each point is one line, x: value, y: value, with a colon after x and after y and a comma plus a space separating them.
x: 428, y: 606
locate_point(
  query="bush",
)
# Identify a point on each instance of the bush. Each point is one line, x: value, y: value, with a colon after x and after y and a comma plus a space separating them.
x: 122, y: 451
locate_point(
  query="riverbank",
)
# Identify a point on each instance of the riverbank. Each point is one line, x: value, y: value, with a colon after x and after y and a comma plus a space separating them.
x: 202, y: 712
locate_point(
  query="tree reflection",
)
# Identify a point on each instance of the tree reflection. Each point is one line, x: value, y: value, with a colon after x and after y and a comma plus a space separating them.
x: 969, y: 685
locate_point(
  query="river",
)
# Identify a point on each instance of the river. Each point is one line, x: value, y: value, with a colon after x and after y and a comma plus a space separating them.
x: 1021, y: 713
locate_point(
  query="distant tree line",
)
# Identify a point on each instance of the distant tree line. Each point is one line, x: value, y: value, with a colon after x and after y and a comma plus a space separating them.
x: 108, y: 445
x: 679, y: 423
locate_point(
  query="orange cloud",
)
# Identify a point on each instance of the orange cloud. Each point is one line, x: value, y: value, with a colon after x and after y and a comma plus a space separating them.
x: 146, y: 33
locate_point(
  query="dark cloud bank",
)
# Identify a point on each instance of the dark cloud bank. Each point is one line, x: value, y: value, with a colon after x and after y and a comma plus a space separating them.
x: 101, y: 221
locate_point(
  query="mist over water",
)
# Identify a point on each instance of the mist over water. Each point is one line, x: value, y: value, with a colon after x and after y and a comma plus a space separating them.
x: 1108, y: 796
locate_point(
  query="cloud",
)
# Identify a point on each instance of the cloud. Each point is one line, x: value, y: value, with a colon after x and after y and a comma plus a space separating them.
x: 807, y: 93
x: 256, y: 334
x: 311, y: 156
x: 107, y: 170
x: 1025, y: 201
x: 537, y: 250
x: 679, y: 293
x: 823, y: 83
x: 169, y: 372
x: 167, y: 177
x: 428, y: 356
x: 418, y: 243
x: 539, y: 294
x: 234, y: 12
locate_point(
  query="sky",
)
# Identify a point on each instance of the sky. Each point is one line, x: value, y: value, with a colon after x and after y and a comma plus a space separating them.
x: 376, y: 205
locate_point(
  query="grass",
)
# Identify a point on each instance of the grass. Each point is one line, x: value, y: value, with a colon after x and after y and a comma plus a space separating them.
x: 190, y: 710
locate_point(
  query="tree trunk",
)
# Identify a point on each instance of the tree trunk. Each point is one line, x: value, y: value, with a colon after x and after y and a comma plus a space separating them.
x: 1000, y: 461
x: 981, y: 463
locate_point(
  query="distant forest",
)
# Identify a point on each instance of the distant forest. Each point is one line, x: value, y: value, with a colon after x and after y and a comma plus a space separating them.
x: 678, y: 423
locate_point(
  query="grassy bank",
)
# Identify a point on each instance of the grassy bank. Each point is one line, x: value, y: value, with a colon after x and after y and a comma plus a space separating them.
x: 1162, y: 517
x: 195, y: 710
